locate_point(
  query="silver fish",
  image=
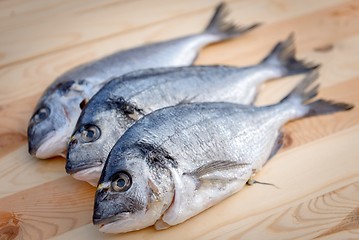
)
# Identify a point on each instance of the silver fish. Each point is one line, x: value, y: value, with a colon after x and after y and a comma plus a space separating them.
x: 178, y: 161
x: 58, y: 109
x: 124, y: 100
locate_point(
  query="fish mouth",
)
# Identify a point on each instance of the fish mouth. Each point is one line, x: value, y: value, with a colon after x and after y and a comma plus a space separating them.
x: 101, y: 222
x: 90, y: 174
x: 32, y: 150
x: 49, y: 147
x: 72, y: 170
x: 36, y: 145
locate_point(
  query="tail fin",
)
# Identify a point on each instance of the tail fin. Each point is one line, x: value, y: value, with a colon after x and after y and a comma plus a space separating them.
x: 283, y: 56
x: 302, y: 93
x: 225, y: 30
x: 322, y: 107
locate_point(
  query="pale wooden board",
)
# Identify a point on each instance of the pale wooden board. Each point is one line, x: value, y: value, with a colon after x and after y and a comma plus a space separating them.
x: 317, y: 172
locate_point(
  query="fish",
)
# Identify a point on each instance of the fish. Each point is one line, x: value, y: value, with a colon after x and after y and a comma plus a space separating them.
x: 178, y: 161
x: 128, y: 98
x: 58, y: 109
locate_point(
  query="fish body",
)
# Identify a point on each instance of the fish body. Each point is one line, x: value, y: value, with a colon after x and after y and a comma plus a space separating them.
x: 178, y: 161
x: 128, y: 98
x: 58, y: 109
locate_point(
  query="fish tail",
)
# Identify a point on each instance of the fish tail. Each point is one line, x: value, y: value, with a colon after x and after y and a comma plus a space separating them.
x: 300, y: 93
x: 322, y: 107
x: 304, y: 92
x: 223, y: 29
x: 283, y: 56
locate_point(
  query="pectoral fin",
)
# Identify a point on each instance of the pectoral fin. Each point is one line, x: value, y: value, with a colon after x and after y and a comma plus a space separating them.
x: 218, y: 172
x: 216, y: 166
x: 203, y: 187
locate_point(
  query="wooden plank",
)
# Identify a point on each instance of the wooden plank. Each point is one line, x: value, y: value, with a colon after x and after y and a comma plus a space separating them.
x: 78, y: 22
x: 20, y: 171
x: 87, y: 21
x: 312, y: 31
x: 316, y: 172
x: 47, y: 210
x: 331, y: 213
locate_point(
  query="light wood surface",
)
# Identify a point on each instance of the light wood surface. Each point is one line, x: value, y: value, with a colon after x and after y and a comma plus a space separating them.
x: 316, y: 173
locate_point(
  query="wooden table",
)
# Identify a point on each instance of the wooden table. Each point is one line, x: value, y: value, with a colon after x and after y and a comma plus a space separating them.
x: 317, y: 172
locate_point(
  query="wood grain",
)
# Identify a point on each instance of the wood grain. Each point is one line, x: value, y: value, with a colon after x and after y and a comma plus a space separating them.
x: 316, y: 172
x: 48, y: 209
x: 20, y: 171
x: 325, y: 215
x: 66, y: 18
x: 33, y: 18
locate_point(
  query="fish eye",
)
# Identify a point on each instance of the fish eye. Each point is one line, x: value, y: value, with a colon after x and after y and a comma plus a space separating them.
x: 41, y: 114
x: 90, y: 133
x: 121, y: 182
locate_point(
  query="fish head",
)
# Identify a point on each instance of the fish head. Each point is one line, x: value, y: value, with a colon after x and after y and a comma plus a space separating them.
x: 99, y: 127
x: 50, y: 126
x: 131, y: 194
